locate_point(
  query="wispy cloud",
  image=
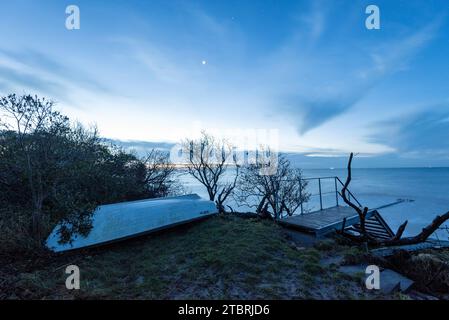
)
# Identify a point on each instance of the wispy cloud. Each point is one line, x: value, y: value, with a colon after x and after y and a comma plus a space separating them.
x: 312, y: 24
x: 326, y: 81
x: 317, y: 74
x: 312, y: 111
x: 395, y: 55
x: 156, y: 60
x: 29, y: 70
x: 421, y: 134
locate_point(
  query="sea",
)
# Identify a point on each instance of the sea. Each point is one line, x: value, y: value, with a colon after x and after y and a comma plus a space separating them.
x: 424, y: 193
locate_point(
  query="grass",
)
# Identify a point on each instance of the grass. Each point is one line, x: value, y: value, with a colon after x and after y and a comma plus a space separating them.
x: 224, y: 257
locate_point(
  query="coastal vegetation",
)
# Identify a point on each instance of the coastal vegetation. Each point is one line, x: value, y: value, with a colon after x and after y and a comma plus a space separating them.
x: 55, y: 171
x: 52, y: 170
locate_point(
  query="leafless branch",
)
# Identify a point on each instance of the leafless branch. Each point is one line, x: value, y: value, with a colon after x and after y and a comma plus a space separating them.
x: 397, y: 239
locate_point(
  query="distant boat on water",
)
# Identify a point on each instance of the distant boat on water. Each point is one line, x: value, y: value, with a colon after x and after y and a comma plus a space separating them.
x: 115, y: 222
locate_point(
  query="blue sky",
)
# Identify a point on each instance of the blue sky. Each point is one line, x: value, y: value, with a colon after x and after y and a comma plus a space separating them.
x: 160, y: 70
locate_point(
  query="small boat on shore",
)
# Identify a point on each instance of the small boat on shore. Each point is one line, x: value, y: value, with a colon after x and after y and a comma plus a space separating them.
x: 120, y: 221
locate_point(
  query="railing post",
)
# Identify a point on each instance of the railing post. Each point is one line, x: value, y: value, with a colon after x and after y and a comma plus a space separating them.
x: 336, y: 190
x: 321, y: 198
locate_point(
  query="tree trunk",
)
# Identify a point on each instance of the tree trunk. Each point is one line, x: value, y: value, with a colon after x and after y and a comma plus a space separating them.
x: 37, y: 225
x: 37, y: 220
x: 261, y: 205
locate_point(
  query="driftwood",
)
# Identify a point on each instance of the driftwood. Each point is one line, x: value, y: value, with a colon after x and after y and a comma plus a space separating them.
x: 397, y: 239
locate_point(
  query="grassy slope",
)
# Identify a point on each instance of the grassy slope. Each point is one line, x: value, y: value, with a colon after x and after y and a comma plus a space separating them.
x: 220, y: 258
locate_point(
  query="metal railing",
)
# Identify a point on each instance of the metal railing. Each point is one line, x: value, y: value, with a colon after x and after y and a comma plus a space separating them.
x: 337, y: 193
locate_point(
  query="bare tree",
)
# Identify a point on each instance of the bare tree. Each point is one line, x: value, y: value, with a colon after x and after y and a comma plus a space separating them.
x: 208, y: 160
x: 160, y: 174
x: 397, y: 239
x: 281, y: 190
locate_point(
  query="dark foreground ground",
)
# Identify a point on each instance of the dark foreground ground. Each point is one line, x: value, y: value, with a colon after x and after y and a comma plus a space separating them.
x: 219, y: 258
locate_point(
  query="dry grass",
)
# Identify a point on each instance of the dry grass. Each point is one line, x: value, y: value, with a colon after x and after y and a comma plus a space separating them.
x: 223, y: 257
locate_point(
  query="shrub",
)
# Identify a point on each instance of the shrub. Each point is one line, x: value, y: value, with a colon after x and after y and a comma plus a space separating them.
x: 52, y: 171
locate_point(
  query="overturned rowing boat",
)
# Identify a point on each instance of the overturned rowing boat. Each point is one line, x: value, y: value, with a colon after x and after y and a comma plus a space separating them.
x: 115, y: 222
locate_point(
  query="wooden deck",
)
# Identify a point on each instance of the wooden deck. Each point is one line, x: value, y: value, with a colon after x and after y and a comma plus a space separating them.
x: 323, y: 221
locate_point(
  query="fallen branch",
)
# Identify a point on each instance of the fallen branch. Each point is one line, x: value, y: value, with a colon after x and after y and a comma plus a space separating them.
x: 397, y: 239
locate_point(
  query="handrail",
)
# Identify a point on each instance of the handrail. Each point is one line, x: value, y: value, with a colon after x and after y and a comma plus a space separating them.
x: 349, y: 192
x: 336, y: 191
x: 322, y: 178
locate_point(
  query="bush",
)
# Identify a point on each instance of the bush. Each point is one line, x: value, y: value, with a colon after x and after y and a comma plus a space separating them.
x: 15, y: 236
x: 429, y: 269
x: 52, y: 171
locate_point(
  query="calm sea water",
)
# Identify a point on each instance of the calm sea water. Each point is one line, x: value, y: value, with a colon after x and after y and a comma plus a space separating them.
x: 427, y: 190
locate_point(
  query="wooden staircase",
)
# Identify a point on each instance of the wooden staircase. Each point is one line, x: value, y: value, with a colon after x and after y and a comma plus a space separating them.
x: 376, y: 226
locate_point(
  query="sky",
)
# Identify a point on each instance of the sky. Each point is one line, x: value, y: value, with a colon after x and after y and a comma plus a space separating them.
x: 310, y: 71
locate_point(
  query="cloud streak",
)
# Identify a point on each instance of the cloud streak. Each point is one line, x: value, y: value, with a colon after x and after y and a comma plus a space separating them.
x: 326, y: 81
x: 421, y: 134
x: 37, y: 72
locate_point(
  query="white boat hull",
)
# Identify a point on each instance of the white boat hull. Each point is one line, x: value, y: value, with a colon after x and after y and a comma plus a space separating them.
x: 120, y: 221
